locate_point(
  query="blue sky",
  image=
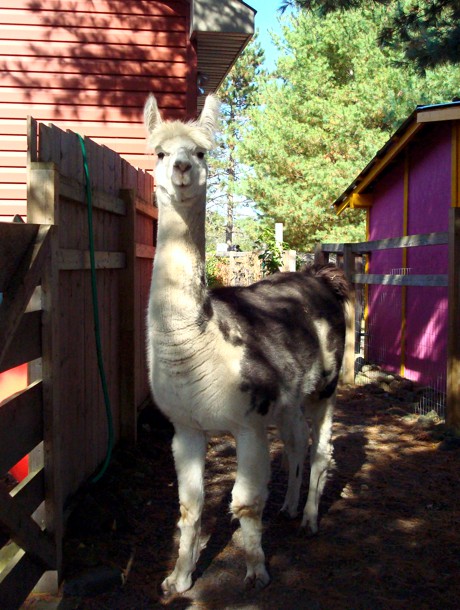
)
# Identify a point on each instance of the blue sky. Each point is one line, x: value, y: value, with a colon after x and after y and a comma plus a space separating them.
x: 267, y: 20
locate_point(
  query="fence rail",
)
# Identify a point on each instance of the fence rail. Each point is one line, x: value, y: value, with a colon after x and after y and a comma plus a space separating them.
x: 350, y: 252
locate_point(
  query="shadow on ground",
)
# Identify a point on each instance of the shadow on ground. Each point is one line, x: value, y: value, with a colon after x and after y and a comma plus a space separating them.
x: 389, y: 533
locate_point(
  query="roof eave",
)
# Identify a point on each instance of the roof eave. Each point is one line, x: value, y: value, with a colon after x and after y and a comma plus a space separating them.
x: 221, y: 30
x: 402, y: 136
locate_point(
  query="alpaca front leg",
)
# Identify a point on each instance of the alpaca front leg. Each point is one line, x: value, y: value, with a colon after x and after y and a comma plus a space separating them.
x: 320, y: 460
x: 248, y: 500
x: 189, y: 449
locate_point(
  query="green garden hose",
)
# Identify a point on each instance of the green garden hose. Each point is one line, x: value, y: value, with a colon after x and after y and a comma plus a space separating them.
x: 97, y: 330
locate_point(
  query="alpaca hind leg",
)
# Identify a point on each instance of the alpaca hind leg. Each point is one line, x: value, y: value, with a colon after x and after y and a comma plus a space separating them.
x: 320, y: 459
x: 189, y: 449
x: 248, y: 500
x: 294, y: 432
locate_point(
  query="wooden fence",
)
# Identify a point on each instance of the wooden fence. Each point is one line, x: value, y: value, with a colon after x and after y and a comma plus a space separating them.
x: 46, y: 319
x: 350, y: 252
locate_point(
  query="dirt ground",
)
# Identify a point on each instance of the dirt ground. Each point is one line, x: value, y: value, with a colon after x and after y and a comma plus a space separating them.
x: 389, y: 532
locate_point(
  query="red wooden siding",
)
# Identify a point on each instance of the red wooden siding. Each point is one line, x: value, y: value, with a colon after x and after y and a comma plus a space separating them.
x: 89, y: 66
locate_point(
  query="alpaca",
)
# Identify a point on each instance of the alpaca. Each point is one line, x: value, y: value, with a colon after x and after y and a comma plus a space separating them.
x: 234, y: 359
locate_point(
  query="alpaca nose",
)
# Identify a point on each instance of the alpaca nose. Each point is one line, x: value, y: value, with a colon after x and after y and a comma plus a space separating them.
x: 183, y: 165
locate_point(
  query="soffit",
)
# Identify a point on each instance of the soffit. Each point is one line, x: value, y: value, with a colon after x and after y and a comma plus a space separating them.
x: 221, y: 29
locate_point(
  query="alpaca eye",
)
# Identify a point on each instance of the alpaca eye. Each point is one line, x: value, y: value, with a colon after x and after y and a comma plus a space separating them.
x: 200, y: 155
x: 161, y: 155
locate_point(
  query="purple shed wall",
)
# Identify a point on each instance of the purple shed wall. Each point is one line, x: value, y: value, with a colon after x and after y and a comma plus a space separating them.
x: 429, y: 201
x: 384, y: 302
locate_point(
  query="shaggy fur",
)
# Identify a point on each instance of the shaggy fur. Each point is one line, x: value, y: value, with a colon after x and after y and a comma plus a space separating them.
x: 235, y: 359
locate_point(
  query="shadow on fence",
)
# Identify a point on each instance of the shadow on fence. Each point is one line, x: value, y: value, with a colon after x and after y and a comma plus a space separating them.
x: 46, y: 320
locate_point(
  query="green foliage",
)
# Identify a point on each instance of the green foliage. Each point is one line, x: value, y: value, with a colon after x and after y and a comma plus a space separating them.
x: 214, y: 270
x: 246, y: 231
x: 334, y: 101
x: 215, y: 229
x: 426, y: 31
x: 271, y: 257
x: 238, y: 94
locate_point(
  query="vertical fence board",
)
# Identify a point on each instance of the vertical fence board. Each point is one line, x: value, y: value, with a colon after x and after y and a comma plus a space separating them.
x: 129, y: 294
x: 42, y: 207
x: 453, y: 344
x: 348, y: 373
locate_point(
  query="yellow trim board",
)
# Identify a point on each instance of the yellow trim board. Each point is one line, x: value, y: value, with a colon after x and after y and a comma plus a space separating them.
x: 357, y: 200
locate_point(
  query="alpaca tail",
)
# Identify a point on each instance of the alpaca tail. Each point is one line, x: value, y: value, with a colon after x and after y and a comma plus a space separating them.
x: 334, y: 277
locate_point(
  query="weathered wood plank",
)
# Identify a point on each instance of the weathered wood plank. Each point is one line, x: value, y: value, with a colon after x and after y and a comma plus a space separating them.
x: 70, y: 259
x: 42, y: 189
x: 321, y: 256
x: 348, y: 368
x: 18, y: 577
x: 30, y: 492
x: 410, y: 241
x: 145, y: 251
x: 31, y: 140
x: 25, y: 532
x: 27, y: 345
x: 400, y: 280
x: 15, y: 241
x: 453, y: 338
x: 331, y: 248
x: 75, y: 191
x: 21, y: 425
x: 42, y: 204
x: 21, y: 289
x: 146, y: 209
x: 128, y: 305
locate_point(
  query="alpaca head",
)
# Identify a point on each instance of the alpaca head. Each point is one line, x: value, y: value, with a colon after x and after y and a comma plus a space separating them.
x: 181, y: 168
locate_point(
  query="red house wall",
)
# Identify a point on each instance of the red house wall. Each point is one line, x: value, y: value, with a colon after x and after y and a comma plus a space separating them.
x: 89, y: 66
x: 425, y: 312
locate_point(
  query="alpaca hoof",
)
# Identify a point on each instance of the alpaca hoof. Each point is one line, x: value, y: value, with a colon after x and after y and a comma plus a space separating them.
x: 310, y: 526
x: 172, y: 585
x: 257, y: 582
x: 288, y: 514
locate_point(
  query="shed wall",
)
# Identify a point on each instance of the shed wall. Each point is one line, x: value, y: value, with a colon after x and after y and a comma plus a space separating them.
x: 384, y: 302
x: 88, y: 66
x: 421, y: 353
x: 429, y: 203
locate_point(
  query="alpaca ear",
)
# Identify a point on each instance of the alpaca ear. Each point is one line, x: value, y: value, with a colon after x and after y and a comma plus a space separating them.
x: 152, y: 117
x: 209, y: 117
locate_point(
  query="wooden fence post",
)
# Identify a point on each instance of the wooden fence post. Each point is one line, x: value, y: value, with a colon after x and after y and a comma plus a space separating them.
x: 321, y: 257
x: 348, y: 369
x: 453, y: 342
x: 43, y: 208
x: 128, y: 311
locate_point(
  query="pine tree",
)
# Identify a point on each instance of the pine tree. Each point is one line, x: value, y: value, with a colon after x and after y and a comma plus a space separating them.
x: 336, y: 100
x: 427, y: 31
x: 238, y: 94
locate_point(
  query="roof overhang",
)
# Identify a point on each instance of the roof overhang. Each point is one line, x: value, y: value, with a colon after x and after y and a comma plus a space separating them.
x: 355, y: 195
x: 221, y: 29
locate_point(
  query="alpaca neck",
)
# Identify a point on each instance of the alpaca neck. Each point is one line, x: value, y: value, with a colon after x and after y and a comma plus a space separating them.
x: 178, y: 281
